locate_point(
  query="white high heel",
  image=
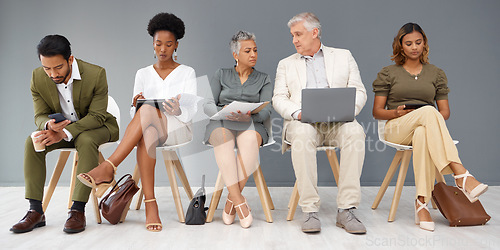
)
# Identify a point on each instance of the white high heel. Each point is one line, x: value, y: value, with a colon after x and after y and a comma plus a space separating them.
x: 476, y: 192
x: 245, y: 222
x: 228, y: 218
x: 426, y: 225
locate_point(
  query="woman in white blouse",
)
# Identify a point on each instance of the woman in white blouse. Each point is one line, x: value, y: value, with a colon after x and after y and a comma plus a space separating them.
x: 151, y: 127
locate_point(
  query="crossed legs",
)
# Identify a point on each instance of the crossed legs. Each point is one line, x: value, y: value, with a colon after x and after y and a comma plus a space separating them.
x: 236, y: 169
x: 147, y: 129
x: 433, y: 147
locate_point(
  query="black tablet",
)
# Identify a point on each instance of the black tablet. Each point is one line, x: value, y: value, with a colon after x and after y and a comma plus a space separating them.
x: 157, y: 103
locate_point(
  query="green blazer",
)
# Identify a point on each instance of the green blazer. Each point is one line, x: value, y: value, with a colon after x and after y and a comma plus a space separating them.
x: 90, y: 99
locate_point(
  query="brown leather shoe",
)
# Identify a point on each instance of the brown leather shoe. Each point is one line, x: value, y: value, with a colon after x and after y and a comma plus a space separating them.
x: 31, y: 220
x: 75, y: 222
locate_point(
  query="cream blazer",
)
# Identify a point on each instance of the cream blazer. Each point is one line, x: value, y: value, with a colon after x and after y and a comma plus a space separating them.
x: 291, y: 77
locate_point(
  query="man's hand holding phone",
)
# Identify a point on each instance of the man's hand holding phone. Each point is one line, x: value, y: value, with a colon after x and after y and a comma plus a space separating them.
x: 57, y: 122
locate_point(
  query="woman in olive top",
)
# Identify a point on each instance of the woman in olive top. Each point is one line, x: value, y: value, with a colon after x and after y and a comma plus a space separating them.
x: 245, y: 131
x: 412, y: 80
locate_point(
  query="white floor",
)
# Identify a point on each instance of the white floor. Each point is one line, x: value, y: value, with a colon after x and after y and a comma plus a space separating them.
x: 281, y: 234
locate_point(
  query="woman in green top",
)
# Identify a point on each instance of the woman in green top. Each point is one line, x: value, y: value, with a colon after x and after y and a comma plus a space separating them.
x: 412, y: 80
x: 245, y: 131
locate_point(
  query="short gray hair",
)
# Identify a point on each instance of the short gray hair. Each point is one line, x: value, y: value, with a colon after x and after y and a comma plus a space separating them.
x: 311, y: 21
x: 240, y: 36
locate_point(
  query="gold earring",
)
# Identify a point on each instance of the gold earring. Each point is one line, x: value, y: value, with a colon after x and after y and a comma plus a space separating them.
x: 175, y: 54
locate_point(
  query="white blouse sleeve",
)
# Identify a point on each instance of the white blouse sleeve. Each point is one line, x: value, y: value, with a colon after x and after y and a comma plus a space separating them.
x: 138, y: 88
x: 190, y: 87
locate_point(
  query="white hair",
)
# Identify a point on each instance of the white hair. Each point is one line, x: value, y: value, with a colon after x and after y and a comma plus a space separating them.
x: 240, y: 36
x: 311, y: 21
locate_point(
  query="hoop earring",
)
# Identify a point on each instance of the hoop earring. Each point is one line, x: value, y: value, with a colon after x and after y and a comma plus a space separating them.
x: 236, y: 62
x: 175, y: 54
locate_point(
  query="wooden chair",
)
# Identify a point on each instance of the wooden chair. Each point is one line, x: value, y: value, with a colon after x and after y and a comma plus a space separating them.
x: 260, y: 183
x: 334, y: 164
x: 173, y: 164
x: 402, y: 159
x: 63, y: 158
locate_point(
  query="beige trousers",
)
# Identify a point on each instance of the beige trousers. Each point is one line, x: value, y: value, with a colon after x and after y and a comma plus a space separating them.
x: 424, y: 129
x: 305, y: 137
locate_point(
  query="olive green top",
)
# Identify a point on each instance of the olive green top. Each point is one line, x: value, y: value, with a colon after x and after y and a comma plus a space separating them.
x: 401, y: 87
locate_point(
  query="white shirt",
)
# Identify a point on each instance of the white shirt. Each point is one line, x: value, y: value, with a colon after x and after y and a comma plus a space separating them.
x: 316, y: 73
x: 181, y: 80
x: 65, y: 92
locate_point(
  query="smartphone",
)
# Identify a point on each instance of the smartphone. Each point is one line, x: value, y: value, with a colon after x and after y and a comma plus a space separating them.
x: 58, y: 117
x: 414, y: 106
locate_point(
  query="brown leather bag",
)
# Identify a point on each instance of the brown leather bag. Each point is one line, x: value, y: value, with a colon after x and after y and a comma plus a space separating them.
x: 456, y: 208
x: 114, y: 203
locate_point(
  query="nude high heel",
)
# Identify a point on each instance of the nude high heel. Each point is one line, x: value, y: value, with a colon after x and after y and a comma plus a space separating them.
x: 426, y: 225
x: 476, y: 192
x: 100, y: 188
x: 154, y: 223
x: 228, y: 218
x: 245, y: 222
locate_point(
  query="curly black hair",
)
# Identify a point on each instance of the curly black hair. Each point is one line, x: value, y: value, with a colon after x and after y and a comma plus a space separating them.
x: 168, y: 22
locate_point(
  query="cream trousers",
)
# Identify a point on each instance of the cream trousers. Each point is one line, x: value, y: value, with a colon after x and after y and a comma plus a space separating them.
x: 305, y: 137
x: 425, y: 130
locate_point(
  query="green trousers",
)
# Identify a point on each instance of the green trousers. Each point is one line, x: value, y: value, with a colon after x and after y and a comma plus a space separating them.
x: 86, y: 144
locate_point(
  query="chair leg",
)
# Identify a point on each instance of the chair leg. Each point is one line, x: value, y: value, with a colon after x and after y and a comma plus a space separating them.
x: 334, y: 164
x: 294, y: 201
x: 136, y: 177
x: 72, y: 180
x: 264, y: 199
x: 61, y: 162
x: 388, y: 177
x: 94, y: 198
x: 268, y: 195
x: 399, y: 184
x: 182, y: 175
x: 173, y: 185
x: 214, y: 202
x: 96, y: 207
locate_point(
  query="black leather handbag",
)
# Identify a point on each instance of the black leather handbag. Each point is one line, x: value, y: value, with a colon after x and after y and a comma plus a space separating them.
x: 196, y: 212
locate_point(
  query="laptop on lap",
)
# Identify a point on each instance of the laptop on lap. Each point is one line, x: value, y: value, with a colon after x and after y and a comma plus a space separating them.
x: 328, y: 105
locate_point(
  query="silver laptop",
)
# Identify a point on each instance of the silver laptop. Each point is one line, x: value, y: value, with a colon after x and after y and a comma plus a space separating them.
x: 328, y: 105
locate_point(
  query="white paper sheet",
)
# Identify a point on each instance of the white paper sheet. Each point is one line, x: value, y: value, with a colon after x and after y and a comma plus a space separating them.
x: 244, y: 107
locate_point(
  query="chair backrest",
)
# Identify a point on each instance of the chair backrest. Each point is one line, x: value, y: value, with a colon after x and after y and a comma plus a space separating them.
x: 269, y: 127
x: 381, y: 130
x: 114, y: 109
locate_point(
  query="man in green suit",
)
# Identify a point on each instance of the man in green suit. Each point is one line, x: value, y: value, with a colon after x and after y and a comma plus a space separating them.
x: 79, y: 91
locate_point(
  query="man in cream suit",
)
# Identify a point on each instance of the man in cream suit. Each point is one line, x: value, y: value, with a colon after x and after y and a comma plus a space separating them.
x: 79, y: 91
x: 318, y: 66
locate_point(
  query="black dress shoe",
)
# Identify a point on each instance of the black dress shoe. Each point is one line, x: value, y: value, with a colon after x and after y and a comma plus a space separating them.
x: 31, y: 220
x: 75, y: 222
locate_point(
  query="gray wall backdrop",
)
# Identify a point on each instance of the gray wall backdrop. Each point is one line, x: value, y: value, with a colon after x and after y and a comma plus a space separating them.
x: 463, y: 38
